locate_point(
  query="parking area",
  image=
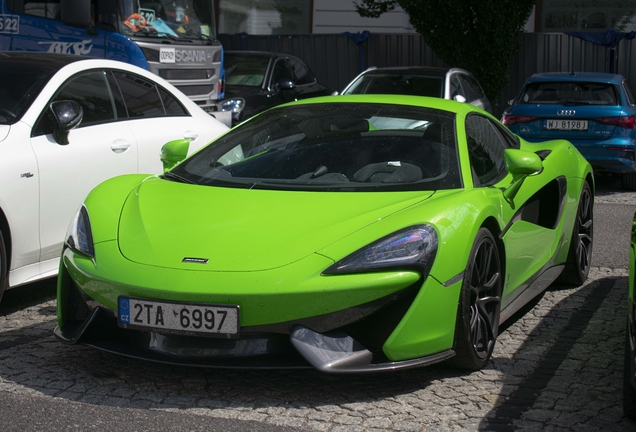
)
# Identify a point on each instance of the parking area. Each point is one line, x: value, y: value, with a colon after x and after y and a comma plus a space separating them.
x: 557, y: 366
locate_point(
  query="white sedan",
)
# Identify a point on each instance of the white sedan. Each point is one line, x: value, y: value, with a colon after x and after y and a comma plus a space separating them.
x: 52, y: 153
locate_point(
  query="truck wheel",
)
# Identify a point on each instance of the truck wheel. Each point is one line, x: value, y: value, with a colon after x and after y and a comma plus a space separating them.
x: 579, y: 258
x: 479, y: 303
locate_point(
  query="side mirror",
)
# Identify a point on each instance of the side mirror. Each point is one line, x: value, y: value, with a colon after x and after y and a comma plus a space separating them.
x: 460, y: 98
x: 511, y: 101
x: 285, y: 84
x: 335, y: 93
x: 67, y: 115
x: 174, y: 152
x: 520, y: 164
x: 76, y: 12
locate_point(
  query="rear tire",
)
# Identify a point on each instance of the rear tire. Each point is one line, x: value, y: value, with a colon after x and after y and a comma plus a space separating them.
x: 577, y: 265
x: 4, y: 267
x: 628, y: 181
x: 479, y: 303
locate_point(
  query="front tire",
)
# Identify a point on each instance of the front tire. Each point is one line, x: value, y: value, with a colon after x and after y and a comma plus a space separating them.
x: 479, y: 304
x: 579, y: 258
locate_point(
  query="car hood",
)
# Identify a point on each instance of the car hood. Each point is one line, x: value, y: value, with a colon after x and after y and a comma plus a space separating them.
x: 163, y: 222
x: 4, y: 132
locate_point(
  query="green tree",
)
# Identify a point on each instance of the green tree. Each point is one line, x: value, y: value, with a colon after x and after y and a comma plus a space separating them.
x: 481, y: 36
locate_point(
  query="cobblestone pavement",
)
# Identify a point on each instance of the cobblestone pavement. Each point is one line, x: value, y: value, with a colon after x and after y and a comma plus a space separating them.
x: 557, y: 367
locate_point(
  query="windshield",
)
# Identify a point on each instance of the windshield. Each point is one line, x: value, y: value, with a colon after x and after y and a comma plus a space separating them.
x: 405, y: 84
x: 332, y: 147
x: 20, y: 84
x: 245, y: 70
x: 180, y: 19
x: 570, y: 93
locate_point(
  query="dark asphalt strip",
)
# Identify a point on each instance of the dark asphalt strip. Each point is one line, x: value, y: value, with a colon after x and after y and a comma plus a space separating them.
x: 526, y: 395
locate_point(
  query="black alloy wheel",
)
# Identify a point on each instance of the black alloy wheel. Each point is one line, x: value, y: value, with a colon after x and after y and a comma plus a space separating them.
x: 579, y: 258
x: 479, y: 304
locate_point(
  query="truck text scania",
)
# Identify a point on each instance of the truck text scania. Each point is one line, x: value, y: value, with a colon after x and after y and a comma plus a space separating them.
x: 173, y: 39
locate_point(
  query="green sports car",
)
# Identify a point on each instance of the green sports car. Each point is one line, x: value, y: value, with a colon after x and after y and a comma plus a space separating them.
x: 348, y: 234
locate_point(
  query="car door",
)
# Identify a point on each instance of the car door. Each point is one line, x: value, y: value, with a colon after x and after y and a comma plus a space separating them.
x: 306, y: 84
x: 101, y: 147
x: 531, y: 218
x: 156, y: 117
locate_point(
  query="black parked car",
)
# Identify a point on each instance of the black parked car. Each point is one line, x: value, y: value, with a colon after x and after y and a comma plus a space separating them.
x: 255, y: 81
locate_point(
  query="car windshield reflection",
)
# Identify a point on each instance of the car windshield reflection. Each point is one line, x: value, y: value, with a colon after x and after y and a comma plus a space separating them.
x: 334, y: 147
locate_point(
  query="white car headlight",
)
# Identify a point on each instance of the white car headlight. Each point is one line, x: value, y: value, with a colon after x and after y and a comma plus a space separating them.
x: 234, y: 105
x: 411, y: 247
x: 79, y: 236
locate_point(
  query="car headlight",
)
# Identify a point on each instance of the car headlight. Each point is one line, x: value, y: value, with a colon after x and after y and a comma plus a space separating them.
x: 79, y: 236
x: 234, y: 105
x: 411, y: 247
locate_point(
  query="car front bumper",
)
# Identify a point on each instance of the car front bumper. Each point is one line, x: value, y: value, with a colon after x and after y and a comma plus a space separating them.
x: 380, y: 330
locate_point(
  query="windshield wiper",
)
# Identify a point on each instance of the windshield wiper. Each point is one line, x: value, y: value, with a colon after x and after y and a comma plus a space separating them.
x: 168, y: 35
x: 176, y: 177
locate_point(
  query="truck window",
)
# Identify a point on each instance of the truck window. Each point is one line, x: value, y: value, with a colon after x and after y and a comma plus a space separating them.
x: 43, y: 9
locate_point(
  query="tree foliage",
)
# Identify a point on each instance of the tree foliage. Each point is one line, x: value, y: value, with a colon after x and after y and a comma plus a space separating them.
x: 481, y: 36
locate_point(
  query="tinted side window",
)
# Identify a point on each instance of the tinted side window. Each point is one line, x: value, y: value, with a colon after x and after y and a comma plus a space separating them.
x: 140, y: 95
x: 471, y: 94
x: 171, y: 104
x: 475, y: 86
x: 630, y: 95
x: 281, y: 71
x: 92, y: 92
x: 301, y: 73
x: 486, y: 150
x: 456, y: 87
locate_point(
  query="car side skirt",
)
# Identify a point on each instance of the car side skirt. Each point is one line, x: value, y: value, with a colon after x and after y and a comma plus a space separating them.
x: 538, y: 284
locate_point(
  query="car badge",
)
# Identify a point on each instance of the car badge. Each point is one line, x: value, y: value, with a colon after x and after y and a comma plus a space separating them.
x: 195, y: 260
x: 568, y: 113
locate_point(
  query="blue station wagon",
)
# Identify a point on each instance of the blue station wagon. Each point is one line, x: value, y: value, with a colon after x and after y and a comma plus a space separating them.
x: 594, y: 111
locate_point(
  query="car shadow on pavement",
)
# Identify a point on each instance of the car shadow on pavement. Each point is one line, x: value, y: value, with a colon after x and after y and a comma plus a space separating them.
x: 568, y: 372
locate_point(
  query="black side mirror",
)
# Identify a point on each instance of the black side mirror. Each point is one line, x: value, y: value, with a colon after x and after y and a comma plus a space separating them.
x: 285, y: 84
x: 67, y: 115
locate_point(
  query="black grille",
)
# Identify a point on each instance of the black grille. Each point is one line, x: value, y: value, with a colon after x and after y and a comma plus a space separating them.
x: 186, y: 74
x: 196, y: 90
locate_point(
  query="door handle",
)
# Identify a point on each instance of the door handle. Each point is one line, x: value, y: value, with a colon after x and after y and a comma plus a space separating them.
x: 120, y: 146
x: 190, y: 135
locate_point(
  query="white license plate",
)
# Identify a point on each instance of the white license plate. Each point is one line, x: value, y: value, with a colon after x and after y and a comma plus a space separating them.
x: 167, y: 55
x: 561, y: 124
x: 180, y: 318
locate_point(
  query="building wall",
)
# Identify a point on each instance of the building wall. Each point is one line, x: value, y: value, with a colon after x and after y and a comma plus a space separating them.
x: 338, y: 16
